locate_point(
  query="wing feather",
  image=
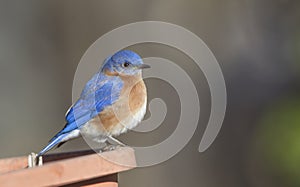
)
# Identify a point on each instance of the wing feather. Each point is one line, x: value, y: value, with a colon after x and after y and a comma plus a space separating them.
x: 97, y: 94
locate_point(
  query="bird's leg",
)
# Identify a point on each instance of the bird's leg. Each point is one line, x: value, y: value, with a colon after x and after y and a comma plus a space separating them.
x: 101, y: 143
x: 115, y: 141
x: 113, y: 144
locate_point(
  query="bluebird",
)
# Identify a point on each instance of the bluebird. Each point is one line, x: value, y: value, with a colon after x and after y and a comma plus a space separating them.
x: 113, y: 101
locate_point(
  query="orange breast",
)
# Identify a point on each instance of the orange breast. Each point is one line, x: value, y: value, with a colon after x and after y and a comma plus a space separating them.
x: 132, y: 98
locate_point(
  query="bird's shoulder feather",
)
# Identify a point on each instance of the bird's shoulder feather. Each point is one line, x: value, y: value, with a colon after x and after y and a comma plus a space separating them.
x: 99, y: 92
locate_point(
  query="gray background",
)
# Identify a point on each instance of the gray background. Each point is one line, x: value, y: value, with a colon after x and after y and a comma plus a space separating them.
x: 255, y: 42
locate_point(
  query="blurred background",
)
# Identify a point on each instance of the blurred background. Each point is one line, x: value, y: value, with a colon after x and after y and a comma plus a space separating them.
x: 257, y: 44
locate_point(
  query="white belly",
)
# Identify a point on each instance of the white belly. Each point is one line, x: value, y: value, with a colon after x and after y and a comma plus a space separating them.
x: 130, y: 122
x: 95, y: 130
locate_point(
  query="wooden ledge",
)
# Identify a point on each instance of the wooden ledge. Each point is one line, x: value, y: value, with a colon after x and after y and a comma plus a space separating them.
x: 67, y: 168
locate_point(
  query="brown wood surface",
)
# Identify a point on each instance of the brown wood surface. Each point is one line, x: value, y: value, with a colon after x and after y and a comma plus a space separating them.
x: 12, y: 164
x: 67, y: 171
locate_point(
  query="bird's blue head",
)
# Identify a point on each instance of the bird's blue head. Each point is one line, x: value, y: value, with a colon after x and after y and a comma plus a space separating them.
x: 124, y: 62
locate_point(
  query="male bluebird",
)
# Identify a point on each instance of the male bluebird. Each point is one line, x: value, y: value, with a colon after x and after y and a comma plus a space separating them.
x: 113, y: 101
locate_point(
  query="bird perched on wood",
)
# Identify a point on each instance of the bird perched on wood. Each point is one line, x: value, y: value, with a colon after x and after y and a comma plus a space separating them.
x: 112, y: 101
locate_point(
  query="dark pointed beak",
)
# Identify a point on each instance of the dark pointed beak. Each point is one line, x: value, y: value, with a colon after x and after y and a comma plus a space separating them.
x: 143, y: 66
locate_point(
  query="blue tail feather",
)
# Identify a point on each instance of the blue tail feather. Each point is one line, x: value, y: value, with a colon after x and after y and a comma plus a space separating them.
x: 52, y: 144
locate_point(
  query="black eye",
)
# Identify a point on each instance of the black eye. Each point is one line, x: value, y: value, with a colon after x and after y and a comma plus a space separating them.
x: 126, y: 64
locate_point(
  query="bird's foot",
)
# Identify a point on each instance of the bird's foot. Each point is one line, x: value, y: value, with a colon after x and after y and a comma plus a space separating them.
x: 110, y: 148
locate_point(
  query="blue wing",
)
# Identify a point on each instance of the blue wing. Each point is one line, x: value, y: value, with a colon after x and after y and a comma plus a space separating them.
x: 100, y: 92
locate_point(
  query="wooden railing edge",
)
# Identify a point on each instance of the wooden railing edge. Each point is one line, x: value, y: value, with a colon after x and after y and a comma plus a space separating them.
x: 66, y: 168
